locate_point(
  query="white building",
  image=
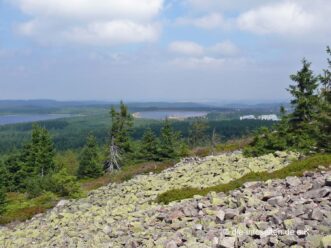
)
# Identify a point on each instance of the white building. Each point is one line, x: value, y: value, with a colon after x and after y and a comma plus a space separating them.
x: 247, y: 117
x: 268, y: 117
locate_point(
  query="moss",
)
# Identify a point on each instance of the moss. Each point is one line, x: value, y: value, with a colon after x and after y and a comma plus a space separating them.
x: 296, y: 168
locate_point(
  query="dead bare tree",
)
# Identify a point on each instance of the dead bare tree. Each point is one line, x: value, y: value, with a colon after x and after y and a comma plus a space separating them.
x: 114, y: 158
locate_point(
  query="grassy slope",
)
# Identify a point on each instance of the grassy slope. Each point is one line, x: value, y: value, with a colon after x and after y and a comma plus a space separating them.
x: 296, y: 168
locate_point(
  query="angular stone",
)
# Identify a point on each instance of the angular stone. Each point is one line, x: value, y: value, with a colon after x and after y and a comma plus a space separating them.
x: 288, y: 240
x: 198, y: 227
x: 231, y: 213
x: 220, y: 216
x: 292, y: 181
x: 316, y: 214
x: 277, y: 201
x: 227, y: 242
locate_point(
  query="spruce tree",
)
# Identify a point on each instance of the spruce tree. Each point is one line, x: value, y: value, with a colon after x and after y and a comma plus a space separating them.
x: 149, y: 146
x: 304, y: 95
x: 38, y: 156
x: 89, y: 165
x: 169, y: 141
x: 122, y: 123
x: 305, y: 102
x: 14, y: 173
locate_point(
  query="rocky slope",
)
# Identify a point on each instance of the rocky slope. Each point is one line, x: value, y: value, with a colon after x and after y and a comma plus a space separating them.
x: 124, y: 215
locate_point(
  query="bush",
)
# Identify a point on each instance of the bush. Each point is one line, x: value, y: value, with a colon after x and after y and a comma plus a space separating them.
x: 60, y: 183
x: 65, y: 184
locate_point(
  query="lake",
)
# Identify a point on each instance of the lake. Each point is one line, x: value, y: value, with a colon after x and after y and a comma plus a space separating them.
x: 161, y: 115
x: 13, y: 119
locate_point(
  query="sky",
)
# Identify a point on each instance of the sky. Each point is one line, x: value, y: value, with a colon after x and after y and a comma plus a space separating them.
x: 158, y: 50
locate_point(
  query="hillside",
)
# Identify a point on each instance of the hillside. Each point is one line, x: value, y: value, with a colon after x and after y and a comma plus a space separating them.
x: 116, y: 213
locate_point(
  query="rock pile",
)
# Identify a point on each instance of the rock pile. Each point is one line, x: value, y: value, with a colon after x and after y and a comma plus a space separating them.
x: 282, y: 213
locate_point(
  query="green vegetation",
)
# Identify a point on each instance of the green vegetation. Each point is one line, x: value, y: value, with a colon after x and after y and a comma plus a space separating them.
x: 90, y: 165
x: 149, y: 146
x: 296, y: 168
x: 2, y: 200
x: 307, y: 129
x: 20, y: 207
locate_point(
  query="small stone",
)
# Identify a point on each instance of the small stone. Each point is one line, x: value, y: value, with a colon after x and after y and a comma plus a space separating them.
x: 231, y: 213
x: 277, y: 201
x: 171, y: 244
x: 200, y: 206
x: 228, y: 242
x: 106, y: 230
x: 328, y: 181
x: 220, y: 215
x: 288, y: 240
x: 250, y: 184
x: 267, y: 195
x: 198, y: 227
x: 316, y: 214
x: 292, y: 181
x: 62, y: 203
x: 215, y: 241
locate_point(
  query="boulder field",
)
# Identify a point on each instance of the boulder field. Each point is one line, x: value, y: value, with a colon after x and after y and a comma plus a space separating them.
x: 295, y: 212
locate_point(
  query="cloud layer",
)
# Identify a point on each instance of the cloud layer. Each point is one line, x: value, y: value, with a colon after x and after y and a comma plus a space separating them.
x: 91, y: 22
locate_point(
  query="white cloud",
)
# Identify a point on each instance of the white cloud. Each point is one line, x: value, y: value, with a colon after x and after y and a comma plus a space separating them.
x: 223, y: 5
x: 197, y: 56
x: 210, y: 21
x: 192, y: 63
x: 209, y: 62
x: 289, y: 18
x: 226, y: 48
x: 91, y: 22
x: 186, y: 48
x: 281, y: 18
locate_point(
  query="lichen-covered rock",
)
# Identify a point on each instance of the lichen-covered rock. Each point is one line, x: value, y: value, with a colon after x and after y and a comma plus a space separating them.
x: 124, y: 215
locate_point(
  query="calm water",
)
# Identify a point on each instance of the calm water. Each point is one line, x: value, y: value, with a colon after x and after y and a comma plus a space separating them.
x: 13, y: 119
x: 160, y: 115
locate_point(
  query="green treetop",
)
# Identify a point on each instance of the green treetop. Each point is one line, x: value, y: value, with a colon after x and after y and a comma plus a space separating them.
x: 122, y: 123
x: 89, y: 165
x: 149, y: 146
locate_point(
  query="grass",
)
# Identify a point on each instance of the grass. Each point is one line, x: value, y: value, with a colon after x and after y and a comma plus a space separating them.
x: 19, y: 207
x: 296, y: 168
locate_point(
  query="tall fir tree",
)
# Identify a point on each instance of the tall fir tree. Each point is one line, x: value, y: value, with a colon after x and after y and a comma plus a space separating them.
x: 89, y: 166
x: 122, y: 123
x: 304, y: 95
x: 149, y: 146
x: 14, y: 173
x: 38, y: 156
x: 303, y: 128
x: 169, y: 141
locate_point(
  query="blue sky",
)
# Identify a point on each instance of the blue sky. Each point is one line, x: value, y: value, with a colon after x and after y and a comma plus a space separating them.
x: 151, y: 50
